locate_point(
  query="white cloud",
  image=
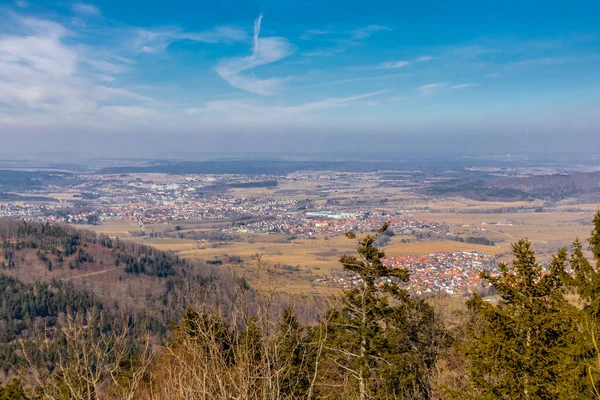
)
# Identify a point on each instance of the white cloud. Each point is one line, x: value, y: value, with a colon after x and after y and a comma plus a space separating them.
x: 368, y: 31
x: 322, y: 52
x: 158, y: 40
x: 335, y: 102
x: 242, y: 113
x: 424, y: 58
x: 351, y: 36
x: 85, y: 9
x: 431, y: 88
x: 103, y: 93
x: 103, y: 65
x: 464, y: 85
x: 393, y: 65
x: 339, y: 41
x: 44, y: 78
x: 79, y: 23
x: 220, y: 34
x: 265, y: 51
x: 239, y: 111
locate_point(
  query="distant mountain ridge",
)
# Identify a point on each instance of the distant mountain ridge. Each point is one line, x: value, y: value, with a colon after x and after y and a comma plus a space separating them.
x: 585, y: 186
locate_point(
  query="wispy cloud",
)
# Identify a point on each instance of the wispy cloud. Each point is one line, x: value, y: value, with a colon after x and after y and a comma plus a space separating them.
x: 85, y: 9
x: 536, y: 62
x: 250, y: 112
x: 357, y: 34
x: 103, y: 93
x: 433, y: 88
x: 339, y: 41
x: 463, y: 85
x: 310, y: 34
x: 508, y: 55
x: 265, y: 51
x: 42, y: 74
x: 322, y: 52
x: 393, y: 65
x: 158, y: 40
x: 368, y: 31
x: 356, y: 79
x: 335, y: 102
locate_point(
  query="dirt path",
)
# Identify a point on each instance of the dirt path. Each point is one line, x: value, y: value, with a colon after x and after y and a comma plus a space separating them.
x: 92, y: 273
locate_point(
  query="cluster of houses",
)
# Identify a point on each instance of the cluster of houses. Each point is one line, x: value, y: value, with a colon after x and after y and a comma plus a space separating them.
x: 217, y: 208
x: 307, y: 224
x: 28, y: 212
x: 452, y: 273
x: 455, y: 272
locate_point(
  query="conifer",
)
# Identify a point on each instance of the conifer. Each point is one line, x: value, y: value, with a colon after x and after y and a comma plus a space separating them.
x: 379, y: 337
x: 525, y: 346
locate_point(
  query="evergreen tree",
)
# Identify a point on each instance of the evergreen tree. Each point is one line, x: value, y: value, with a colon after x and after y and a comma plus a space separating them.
x: 595, y: 237
x: 525, y: 346
x: 586, y: 280
x: 586, y: 284
x: 382, y: 342
x: 293, y: 356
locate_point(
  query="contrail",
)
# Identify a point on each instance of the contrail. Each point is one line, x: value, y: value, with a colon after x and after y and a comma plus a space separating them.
x: 257, y: 32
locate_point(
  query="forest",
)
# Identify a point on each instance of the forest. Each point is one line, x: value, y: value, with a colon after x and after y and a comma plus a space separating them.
x: 536, y: 339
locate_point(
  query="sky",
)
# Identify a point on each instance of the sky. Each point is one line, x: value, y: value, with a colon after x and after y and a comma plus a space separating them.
x: 151, y: 78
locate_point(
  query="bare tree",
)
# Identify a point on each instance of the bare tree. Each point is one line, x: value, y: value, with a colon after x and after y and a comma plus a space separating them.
x: 90, y: 363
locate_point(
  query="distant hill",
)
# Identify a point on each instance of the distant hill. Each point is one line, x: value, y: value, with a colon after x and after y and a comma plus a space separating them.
x: 14, y: 180
x: 584, y: 186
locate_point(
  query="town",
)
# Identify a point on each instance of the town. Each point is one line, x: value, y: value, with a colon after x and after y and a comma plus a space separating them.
x: 96, y: 198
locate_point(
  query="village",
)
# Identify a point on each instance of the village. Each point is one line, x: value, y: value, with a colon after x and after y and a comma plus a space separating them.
x: 307, y: 224
x: 446, y: 272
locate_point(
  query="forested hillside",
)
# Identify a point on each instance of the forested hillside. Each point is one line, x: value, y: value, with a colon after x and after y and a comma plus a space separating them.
x: 125, y: 274
x: 49, y: 272
x: 582, y: 186
x: 537, y: 339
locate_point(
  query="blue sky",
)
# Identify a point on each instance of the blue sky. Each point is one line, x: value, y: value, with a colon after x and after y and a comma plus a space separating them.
x: 297, y: 75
